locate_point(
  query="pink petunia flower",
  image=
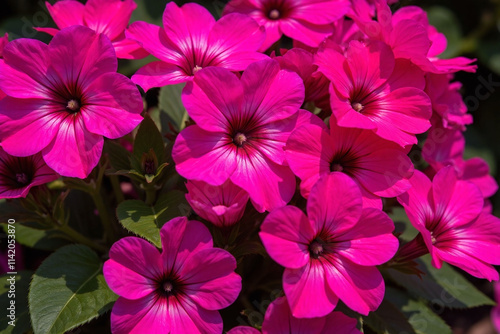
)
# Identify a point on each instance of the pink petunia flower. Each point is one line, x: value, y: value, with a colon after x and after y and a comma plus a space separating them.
x: 370, y: 90
x: 241, y: 128
x: 410, y: 36
x: 447, y: 103
x: 316, y: 84
x: 3, y: 42
x: 308, y: 21
x: 177, y: 291
x: 19, y: 175
x: 330, y: 254
x: 63, y: 98
x: 445, y: 147
x: 448, y: 214
x: 222, y: 205
x: 108, y: 17
x: 279, y: 320
x: 380, y: 167
x: 191, y: 40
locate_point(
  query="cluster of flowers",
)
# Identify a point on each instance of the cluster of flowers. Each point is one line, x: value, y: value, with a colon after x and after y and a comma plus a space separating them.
x: 374, y: 81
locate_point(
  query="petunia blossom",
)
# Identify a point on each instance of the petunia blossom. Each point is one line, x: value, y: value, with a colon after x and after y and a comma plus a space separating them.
x: 444, y: 147
x: 178, y: 290
x: 331, y: 253
x: 108, y: 17
x: 241, y: 128
x: 279, y: 320
x: 63, y: 98
x: 308, y: 21
x: 222, y: 205
x: 371, y: 90
x: 448, y: 214
x: 380, y: 167
x: 190, y: 40
x: 3, y: 42
x: 19, y: 174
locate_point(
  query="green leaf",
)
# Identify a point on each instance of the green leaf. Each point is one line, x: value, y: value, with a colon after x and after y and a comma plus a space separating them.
x: 419, y: 315
x: 68, y: 290
x: 146, y: 221
x: 118, y: 155
x: 171, y: 107
x: 443, y: 287
x: 38, y: 239
x: 148, y: 137
x: 388, y: 319
x: 22, y: 318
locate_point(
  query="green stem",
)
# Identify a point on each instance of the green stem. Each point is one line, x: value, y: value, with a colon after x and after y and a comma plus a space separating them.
x: 79, y: 238
x: 150, y: 195
x: 115, y: 183
x: 103, y: 214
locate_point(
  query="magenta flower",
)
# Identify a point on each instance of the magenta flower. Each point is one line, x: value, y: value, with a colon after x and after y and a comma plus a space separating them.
x: 448, y: 214
x: 241, y: 128
x: 381, y: 168
x: 445, y: 147
x: 279, y: 320
x: 331, y: 254
x: 191, y: 40
x: 177, y: 291
x: 308, y: 21
x: 19, y: 175
x: 370, y: 90
x: 447, y: 103
x: 222, y: 205
x: 63, y: 98
x: 316, y: 84
x: 108, y: 17
x: 3, y: 42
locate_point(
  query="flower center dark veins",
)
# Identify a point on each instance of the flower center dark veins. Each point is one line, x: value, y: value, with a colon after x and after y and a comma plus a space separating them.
x: 336, y: 167
x: 73, y: 106
x: 357, y: 106
x: 316, y: 248
x: 196, y: 68
x: 239, y: 139
x: 274, y: 14
x: 22, y: 179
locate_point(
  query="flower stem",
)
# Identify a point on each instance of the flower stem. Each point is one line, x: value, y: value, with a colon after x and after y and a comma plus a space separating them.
x: 79, y: 238
x: 150, y: 195
x: 103, y: 214
x: 115, y: 183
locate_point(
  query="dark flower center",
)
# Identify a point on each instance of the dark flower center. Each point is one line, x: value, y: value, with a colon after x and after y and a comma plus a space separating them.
x: 357, y: 106
x: 274, y: 14
x: 316, y: 248
x: 22, y: 179
x: 239, y: 139
x: 336, y: 167
x: 168, y: 287
x: 73, y: 106
x: 196, y: 68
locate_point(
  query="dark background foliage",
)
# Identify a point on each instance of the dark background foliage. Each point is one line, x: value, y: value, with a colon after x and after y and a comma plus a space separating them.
x: 472, y: 29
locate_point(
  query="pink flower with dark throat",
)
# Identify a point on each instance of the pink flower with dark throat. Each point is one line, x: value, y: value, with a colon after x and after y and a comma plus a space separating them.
x: 448, y: 214
x: 241, y: 128
x: 279, y: 320
x: 380, y: 167
x: 63, y: 98
x: 19, y: 175
x: 308, y: 21
x: 109, y: 17
x: 371, y: 90
x: 222, y: 205
x: 178, y: 290
x: 331, y: 253
x: 190, y: 40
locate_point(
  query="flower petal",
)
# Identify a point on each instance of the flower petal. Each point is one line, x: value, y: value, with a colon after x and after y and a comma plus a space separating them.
x: 159, y: 74
x: 66, y: 13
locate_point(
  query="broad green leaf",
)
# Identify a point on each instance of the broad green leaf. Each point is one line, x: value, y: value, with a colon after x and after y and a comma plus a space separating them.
x: 20, y: 298
x: 419, y: 315
x: 68, y: 290
x: 172, y: 110
x: 443, y: 287
x: 148, y: 137
x: 388, y: 319
x: 118, y: 155
x: 38, y: 239
x: 146, y: 221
